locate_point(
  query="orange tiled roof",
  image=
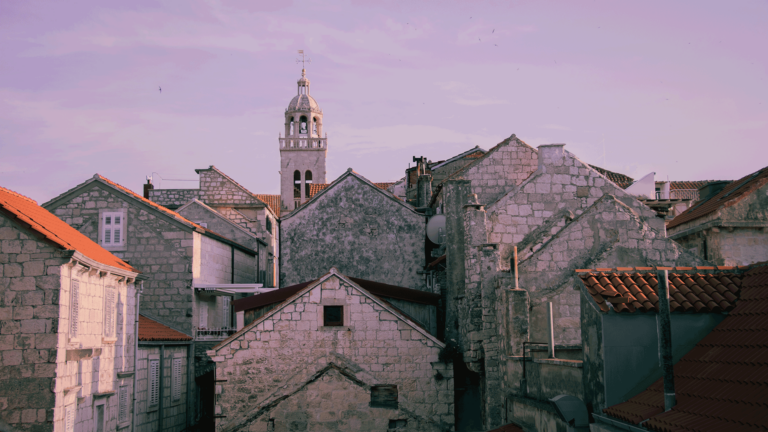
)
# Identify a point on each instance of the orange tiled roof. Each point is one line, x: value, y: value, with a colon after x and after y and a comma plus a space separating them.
x: 691, y: 185
x: 151, y: 330
x: 56, y: 230
x: 384, y: 186
x: 694, y: 291
x: 621, y: 180
x: 314, y: 188
x: 730, y: 195
x: 273, y: 201
x: 721, y: 383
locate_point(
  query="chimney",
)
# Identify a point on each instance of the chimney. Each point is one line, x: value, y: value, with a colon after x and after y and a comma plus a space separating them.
x: 148, y: 187
x: 551, y: 155
x: 711, y: 189
x: 424, y: 191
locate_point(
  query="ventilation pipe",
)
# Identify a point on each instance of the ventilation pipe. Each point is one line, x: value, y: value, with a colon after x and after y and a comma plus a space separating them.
x: 665, y: 340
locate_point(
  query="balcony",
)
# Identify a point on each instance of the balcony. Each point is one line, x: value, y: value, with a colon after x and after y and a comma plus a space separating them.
x: 303, y: 143
x: 214, y: 334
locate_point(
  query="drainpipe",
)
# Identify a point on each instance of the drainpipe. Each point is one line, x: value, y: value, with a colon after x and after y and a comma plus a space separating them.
x: 162, y: 377
x: 551, y: 331
x: 665, y: 340
x: 136, y: 354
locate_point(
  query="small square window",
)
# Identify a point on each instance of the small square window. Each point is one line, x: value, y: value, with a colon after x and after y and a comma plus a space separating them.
x: 384, y: 396
x: 333, y: 316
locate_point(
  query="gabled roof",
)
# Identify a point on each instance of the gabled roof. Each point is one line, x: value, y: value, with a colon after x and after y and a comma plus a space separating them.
x: 272, y: 201
x: 334, y: 272
x: 246, y: 191
x: 721, y: 383
x: 151, y: 330
x: 349, y: 173
x: 221, y: 218
x: 636, y: 289
x: 474, y: 153
x: 621, y: 180
x: 165, y: 211
x: 314, y: 188
x: 55, y: 230
x: 730, y: 195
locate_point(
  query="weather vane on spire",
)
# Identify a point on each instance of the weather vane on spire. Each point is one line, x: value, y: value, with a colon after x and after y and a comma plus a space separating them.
x: 303, y: 59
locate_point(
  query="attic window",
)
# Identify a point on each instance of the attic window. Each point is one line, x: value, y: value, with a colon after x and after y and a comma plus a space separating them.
x: 333, y: 316
x: 384, y: 396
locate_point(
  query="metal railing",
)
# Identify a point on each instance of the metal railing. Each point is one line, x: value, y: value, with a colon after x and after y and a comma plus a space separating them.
x: 691, y: 194
x: 214, y: 333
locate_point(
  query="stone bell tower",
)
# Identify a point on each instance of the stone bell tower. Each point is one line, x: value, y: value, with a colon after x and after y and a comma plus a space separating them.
x: 304, y: 148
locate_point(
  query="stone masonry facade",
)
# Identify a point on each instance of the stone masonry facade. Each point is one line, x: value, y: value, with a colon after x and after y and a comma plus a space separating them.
x: 174, y: 410
x: 322, y: 376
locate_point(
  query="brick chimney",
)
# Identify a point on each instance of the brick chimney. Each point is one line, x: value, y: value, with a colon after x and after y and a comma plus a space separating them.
x: 148, y: 187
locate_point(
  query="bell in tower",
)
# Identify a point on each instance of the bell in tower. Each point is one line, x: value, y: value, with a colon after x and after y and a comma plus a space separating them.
x: 304, y: 148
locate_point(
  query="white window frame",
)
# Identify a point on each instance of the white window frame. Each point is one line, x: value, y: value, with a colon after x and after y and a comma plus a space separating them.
x: 177, y: 378
x: 74, y: 309
x: 110, y: 311
x: 123, y: 406
x: 113, y: 245
x: 153, y: 398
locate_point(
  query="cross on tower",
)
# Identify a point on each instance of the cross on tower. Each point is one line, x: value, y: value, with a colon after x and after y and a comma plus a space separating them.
x: 303, y: 59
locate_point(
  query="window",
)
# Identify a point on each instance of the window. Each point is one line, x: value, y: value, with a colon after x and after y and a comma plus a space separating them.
x: 398, y: 424
x: 226, y: 317
x: 99, y: 417
x: 314, y: 125
x: 69, y: 418
x: 176, y: 380
x: 269, y: 225
x: 74, y: 309
x: 112, y: 228
x: 122, y: 410
x: 333, y: 316
x: 384, y: 396
x: 297, y: 184
x: 203, y: 312
x: 303, y: 125
x: 154, y: 382
x: 307, y: 183
x: 109, y: 312
x: 292, y: 132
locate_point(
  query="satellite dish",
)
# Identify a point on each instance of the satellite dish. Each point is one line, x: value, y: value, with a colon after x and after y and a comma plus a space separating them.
x: 436, y: 229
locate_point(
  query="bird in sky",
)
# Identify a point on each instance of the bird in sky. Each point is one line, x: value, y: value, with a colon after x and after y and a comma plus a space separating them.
x: 160, y: 88
x: 493, y: 30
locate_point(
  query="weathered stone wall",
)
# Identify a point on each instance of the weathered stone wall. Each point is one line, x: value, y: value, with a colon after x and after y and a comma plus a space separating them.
x: 308, y: 361
x: 218, y: 189
x: 356, y: 228
x: 35, y: 299
x: 174, y: 412
x: 502, y: 168
x: 173, y: 198
x: 302, y: 160
x: 216, y: 261
x: 155, y: 245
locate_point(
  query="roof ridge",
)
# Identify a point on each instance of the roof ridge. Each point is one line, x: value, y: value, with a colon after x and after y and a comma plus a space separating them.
x: 694, y: 269
x: 19, y: 195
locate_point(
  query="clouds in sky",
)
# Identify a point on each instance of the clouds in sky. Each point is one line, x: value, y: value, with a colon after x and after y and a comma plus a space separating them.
x: 679, y: 88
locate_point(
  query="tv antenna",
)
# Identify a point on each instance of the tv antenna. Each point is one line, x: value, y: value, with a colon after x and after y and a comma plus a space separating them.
x: 303, y: 59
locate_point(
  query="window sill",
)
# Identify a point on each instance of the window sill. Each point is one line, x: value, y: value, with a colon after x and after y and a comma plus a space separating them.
x: 104, y: 394
x: 108, y: 341
x: 334, y: 328
x: 125, y: 374
x: 123, y: 425
x: 73, y: 388
x: 153, y: 408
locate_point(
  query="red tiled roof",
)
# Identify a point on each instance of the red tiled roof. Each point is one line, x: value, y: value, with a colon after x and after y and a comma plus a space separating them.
x: 730, y: 195
x: 56, y: 230
x: 621, y: 180
x: 315, y: 188
x: 722, y: 383
x: 700, y: 291
x: 273, y: 201
x: 692, y: 185
x: 376, y: 288
x: 384, y: 186
x: 151, y: 330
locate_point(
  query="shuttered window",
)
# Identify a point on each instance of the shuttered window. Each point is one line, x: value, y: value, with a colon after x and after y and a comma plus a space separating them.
x: 227, y: 319
x: 203, y: 311
x: 112, y: 229
x: 154, y: 382
x: 176, y: 380
x: 109, y: 312
x: 122, y: 411
x: 69, y: 418
x: 74, y: 310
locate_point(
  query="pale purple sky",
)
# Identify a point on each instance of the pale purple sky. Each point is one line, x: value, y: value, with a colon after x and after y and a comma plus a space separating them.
x: 680, y: 88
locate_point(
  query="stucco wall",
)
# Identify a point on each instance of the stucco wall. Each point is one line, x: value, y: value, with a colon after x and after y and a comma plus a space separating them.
x: 292, y: 347
x: 354, y: 227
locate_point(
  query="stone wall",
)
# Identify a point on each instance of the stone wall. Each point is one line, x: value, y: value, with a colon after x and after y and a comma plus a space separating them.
x: 35, y: 299
x: 174, y: 412
x: 155, y: 245
x: 308, y: 362
x: 173, y: 198
x: 356, y: 228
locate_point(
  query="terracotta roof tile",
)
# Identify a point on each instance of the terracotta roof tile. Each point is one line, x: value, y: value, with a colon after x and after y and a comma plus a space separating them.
x: 56, y: 230
x: 730, y: 195
x: 273, y: 201
x: 384, y: 186
x: 722, y: 383
x: 689, y: 292
x: 621, y: 180
x: 151, y: 330
x: 314, y: 188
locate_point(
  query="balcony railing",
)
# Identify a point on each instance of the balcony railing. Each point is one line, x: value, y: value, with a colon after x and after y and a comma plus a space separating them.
x: 303, y: 143
x: 213, y: 334
x: 691, y: 194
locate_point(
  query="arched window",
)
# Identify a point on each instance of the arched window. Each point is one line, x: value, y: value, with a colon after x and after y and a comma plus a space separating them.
x: 297, y: 184
x: 303, y: 125
x: 314, y: 125
x: 292, y: 132
x: 307, y: 182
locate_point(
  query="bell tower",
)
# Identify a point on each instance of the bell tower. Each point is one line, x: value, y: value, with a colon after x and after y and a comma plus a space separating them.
x: 304, y: 148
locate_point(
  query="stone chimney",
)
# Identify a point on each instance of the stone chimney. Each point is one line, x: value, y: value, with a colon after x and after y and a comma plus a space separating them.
x: 551, y: 155
x: 424, y: 191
